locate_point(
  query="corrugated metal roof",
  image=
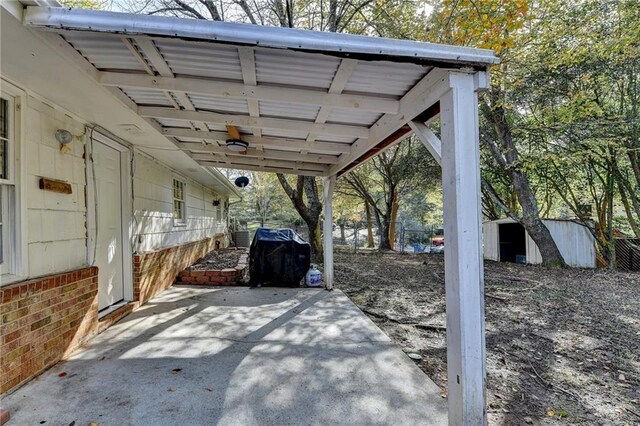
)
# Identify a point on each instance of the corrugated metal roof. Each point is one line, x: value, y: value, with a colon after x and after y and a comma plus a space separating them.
x: 302, y: 112
x: 104, y: 53
x: 282, y: 89
x: 213, y: 103
x: 147, y: 97
x: 386, y: 78
x: 295, y: 69
x: 340, y: 115
x: 199, y: 59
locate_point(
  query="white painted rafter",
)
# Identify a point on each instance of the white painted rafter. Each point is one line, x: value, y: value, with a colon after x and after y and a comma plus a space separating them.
x: 252, y: 152
x: 233, y: 90
x: 239, y: 158
x: 260, y: 168
x: 340, y: 79
x: 248, y: 66
x: 423, y: 95
x: 262, y: 122
x: 264, y: 142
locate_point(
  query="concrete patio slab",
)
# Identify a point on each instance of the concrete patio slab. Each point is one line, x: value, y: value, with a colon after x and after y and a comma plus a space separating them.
x: 235, y: 356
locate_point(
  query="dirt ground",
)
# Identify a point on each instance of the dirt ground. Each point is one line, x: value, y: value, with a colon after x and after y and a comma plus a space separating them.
x: 563, y: 346
x: 217, y: 259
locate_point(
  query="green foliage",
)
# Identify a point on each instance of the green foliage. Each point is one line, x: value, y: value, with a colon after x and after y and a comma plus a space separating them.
x: 85, y: 4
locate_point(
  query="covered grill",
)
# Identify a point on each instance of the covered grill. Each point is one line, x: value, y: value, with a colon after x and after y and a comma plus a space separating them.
x: 278, y: 257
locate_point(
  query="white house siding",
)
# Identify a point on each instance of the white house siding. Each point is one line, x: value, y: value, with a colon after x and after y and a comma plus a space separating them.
x: 153, y: 208
x: 56, y: 234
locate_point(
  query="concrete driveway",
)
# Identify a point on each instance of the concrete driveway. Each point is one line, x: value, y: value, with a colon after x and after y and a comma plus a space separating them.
x: 235, y: 356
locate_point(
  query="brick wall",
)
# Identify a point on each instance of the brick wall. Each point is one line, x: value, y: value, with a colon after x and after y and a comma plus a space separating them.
x: 155, y: 271
x: 42, y: 321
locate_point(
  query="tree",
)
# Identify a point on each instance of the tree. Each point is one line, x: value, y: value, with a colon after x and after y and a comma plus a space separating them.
x: 308, y: 209
x: 383, y: 180
x: 499, y: 25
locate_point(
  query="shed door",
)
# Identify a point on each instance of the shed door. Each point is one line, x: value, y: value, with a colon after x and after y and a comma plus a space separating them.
x: 109, y: 251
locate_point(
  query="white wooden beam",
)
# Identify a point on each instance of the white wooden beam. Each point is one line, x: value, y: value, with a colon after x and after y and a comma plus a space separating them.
x: 248, y: 66
x: 423, y: 95
x: 238, y: 166
x: 328, y: 185
x: 136, y: 54
x: 227, y: 89
x: 262, y: 122
x: 428, y: 139
x: 340, y: 79
x: 155, y: 57
x: 271, y: 154
x: 464, y: 280
x: 240, y: 159
x: 264, y: 142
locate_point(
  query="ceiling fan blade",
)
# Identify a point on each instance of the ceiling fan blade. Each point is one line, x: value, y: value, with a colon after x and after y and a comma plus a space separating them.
x: 233, y: 131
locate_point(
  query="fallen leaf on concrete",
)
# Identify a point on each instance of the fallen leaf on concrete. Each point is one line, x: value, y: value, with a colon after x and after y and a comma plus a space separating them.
x: 176, y: 370
x: 210, y: 389
x: 171, y: 389
x: 73, y: 423
x: 93, y: 424
x: 551, y: 412
x: 62, y: 374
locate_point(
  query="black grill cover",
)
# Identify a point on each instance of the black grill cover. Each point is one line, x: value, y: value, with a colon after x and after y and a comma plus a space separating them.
x: 278, y: 257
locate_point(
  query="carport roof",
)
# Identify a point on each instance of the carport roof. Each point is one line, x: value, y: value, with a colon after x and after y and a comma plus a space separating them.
x: 306, y: 102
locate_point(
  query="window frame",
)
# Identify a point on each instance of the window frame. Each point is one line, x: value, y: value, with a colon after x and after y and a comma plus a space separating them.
x: 12, y: 123
x: 14, y: 208
x: 179, y: 222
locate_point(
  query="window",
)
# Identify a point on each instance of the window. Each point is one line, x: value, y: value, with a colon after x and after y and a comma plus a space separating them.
x: 4, y: 138
x: 179, y: 206
x: 7, y: 205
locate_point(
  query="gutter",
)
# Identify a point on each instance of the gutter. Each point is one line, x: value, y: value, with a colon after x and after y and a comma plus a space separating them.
x: 218, y: 176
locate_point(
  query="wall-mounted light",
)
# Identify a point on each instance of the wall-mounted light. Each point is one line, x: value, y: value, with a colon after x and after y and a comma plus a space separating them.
x: 64, y: 137
x: 216, y: 202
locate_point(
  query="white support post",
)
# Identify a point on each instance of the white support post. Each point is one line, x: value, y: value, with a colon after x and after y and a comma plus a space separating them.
x: 328, y: 183
x: 464, y: 280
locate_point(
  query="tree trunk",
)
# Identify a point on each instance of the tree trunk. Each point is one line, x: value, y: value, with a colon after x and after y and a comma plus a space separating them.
x: 392, y: 224
x: 370, y: 242
x: 306, y: 187
x: 315, y: 241
x: 342, y: 237
x: 506, y: 155
x: 385, y: 243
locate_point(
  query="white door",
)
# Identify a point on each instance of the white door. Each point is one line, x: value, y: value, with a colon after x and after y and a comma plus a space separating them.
x: 109, y: 250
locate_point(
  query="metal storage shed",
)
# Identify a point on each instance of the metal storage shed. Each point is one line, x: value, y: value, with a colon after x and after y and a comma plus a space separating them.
x: 309, y: 103
x: 574, y: 240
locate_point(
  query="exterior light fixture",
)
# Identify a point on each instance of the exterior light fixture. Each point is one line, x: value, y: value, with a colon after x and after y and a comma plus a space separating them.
x: 237, y: 145
x: 64, y: 136
x: 242, y: 181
